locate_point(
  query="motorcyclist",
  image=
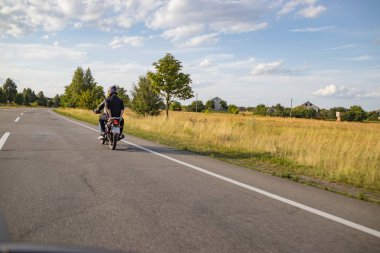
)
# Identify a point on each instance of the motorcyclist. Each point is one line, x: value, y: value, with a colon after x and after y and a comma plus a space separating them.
x: 112, y: 106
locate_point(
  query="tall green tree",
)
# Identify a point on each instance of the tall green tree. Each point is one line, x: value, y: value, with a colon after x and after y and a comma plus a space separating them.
x: 123, y: 95
x: 3, y: 98
x: 169, y: 81
x: 57, y: 101
x: 10, y: 90
x: 41, y: 99
x: 145, y: 100
x: 19, y: 99
x: 28, y: 96
x: 73, y: 92
x: 88, y: 81
x: 83, y: 91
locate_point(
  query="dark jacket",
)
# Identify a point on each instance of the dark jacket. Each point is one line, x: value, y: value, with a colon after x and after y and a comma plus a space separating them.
x: 115, y: 105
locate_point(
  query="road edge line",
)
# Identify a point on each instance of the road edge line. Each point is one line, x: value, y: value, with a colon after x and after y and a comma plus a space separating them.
x: 251, y: 188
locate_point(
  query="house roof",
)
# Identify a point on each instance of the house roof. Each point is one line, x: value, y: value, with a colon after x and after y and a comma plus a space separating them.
x: 310, y: 104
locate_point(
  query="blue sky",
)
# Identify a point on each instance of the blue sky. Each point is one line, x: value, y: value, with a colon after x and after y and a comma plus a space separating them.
x: 246, y: 52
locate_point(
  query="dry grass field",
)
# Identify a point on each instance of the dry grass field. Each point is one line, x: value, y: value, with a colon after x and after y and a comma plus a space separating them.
x: 334, y: 151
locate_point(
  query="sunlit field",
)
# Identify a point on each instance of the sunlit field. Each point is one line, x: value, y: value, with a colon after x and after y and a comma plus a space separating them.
x: 334, y: 151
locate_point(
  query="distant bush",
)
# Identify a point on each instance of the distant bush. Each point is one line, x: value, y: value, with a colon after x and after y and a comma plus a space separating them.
x: 355, y: 113
x: 233, y: 109
x: 302, y: 112
x: 196, y: 106
x: 175, y: 106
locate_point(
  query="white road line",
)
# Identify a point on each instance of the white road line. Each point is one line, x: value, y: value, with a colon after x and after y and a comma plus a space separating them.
x: 17, y: 119
x: 251, y: 188
x: 22, y: 113
x: 4, y: 139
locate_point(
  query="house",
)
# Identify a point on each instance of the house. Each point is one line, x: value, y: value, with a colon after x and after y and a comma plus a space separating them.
x: 217, y: 104
x: 309, y: 105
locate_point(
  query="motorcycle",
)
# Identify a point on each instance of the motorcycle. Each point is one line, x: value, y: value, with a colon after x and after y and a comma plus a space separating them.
x: 112, y: 134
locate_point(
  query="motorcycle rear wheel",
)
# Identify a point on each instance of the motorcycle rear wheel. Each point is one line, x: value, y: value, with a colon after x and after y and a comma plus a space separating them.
x: 113, y: 141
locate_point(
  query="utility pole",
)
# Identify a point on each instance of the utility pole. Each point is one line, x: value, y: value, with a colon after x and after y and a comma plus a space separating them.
x: 291, y: 106
x: 196, y: 102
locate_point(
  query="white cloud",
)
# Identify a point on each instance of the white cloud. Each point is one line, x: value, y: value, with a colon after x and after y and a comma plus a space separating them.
x: 341, y: 47
x: 134, y: 41
x: 313, y: 29
x: 312, y: 11
x: 268, y: 68
x: 361, y: 58
x: 238, y: 27
x: 34, y: 52
x: 186, y: 23
x: 205, y: 63
x: 181, y: 32
x: 341, y: 91
x: 208, y: 39
x: 290, y: 6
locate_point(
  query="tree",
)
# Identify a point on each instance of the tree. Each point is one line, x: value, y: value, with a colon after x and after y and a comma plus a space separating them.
x: 302, y: 112
x: 73, y: 91
x: 261, y: 109
x: 323, y: 114
x: 373, y: 116
x: 50, y: 102
x: 98, y: 95
x: 233, y: 109
x: 88, y: 81
x: 175, y: 106
x: 277, y: 111
x: 19, y: 99
x: 332, y: 112
x: 10, y: 90
x: 145, y: 100
x: 28, y: 96
x: 210, y: 105
x: 3, y: 98
x: 57, y: 101
x: 196, y: 106
x: 123, y: 95
x: 224, y: 106
x: 169, y: 82
x: 41, y: 99
x: 355, y: 113
x: 83, y: 91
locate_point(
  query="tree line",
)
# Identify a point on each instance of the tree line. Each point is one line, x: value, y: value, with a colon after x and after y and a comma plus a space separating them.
x: 27, y: 97
x: 160, y: 90
x: 354, y: 113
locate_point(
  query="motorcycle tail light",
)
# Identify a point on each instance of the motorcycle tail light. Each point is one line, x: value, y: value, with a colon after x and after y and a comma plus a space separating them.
x: 115, y: 121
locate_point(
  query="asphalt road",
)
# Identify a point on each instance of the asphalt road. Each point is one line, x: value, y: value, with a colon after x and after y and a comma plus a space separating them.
x: 60, y: 186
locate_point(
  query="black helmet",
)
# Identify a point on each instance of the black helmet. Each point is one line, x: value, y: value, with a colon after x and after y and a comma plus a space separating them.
x: 112, y: 90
